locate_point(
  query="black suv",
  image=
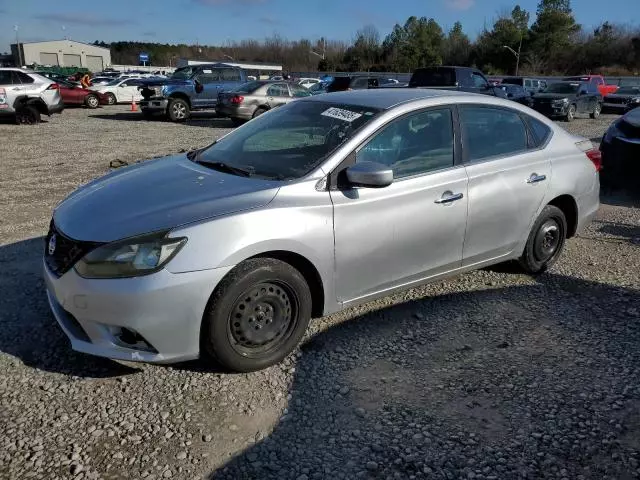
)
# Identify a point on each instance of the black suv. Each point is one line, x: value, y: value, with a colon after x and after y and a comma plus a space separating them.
x: 464, y: 79
x: 566, y: 99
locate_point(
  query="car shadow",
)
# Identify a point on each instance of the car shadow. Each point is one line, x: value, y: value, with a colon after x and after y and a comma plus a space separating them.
x: 28, y: 330
x: 616, y: 229
x: 507, y: 383
x: 197, y: 119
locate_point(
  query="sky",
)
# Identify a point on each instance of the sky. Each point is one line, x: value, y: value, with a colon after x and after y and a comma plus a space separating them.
x: 216, y: 22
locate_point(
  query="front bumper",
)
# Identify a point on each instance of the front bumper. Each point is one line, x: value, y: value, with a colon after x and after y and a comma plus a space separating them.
x: 164, y: 308
x: 154, y: 105
x: 551, y: 110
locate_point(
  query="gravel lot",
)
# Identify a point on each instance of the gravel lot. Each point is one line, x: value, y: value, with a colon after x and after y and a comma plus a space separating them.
x: 492, y: 375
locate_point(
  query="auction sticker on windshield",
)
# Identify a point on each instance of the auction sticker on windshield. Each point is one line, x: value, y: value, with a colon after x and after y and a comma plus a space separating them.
x: 3, y: 98
x: 341, y: 114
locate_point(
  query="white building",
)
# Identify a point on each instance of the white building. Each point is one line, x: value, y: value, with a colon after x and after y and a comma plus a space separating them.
x: 63, y: 53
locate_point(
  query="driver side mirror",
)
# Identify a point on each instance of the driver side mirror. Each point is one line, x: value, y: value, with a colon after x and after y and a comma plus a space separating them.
x: 199, y: 87
x: 370, y: 174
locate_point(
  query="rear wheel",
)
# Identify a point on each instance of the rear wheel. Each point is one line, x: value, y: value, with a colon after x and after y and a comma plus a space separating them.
x: 546, y: 241
x: 259, y: 111
x: 178, y: 110
x: 257, y: 315
x: 27, y: 115
x: 111, y: 99
x: 596, y: 110
x: 92, y: 101
x: 571, y: 113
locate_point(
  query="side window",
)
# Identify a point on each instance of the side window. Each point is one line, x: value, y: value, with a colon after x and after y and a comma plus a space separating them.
x: 230, y: 75
x: 540, y: 132
x: 528, y: 83
x: 24, y: 78
x: 5, y: 77
x: 134, y: 83
x: 278, y: 90
x: 414, y: 144
x: 359, y: 83
x: 298, y: 91
x: 373, y: 82
x: 208, y: 75
x: 491, y: 132
x: 478, y: 80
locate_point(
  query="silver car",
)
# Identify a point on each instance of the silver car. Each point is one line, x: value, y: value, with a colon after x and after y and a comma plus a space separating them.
x: 321, y: 204
x: 26, y: 95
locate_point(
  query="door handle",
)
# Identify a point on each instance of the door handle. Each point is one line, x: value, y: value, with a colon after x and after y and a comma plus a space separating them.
x: 448, y: 197
x: 535, y: 178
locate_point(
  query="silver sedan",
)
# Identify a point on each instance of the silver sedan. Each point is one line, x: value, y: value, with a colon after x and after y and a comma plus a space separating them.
x: 324, y: 203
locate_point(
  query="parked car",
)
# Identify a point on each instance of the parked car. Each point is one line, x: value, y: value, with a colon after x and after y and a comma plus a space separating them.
x: 195, y: 87
x: 100, y: 80
x: 57, y: 77
x: 463, y: 79
x: 352, y: 82
x: 531, y: 85
x: 120, y: 90
x: 308, y: 82
x: 597, y: 80
x: 26, y: 95
x: 517, y: 94
x: 620, y: 149
x: 566, y: 99
x: 307, y: 210
x: 75, y: 95
x: 625, y: 98
x: 255, y: 98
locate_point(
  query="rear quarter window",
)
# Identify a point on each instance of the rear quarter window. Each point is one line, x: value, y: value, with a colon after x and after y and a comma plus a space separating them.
x: 540, y: 133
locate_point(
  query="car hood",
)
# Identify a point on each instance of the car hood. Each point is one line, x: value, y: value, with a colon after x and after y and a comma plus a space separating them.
x: 552, y: 96
x: 156, y: 195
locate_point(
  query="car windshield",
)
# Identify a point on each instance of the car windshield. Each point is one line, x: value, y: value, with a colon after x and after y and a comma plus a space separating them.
x: 562, y: 88
x: 287, y: 142
x: 182, y: 73
x: 247, y: 87
x: 628, y: 91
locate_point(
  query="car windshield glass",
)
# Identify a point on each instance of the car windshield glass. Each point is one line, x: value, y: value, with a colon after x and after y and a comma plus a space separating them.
x: 247, y: 87
x: 182, y: 73
x: 562, y: 88
x: 629, y: 91
x: 289, y: 141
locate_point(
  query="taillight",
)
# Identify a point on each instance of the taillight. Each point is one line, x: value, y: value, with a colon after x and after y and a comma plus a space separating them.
x: 237, y: 99
x: 53, y: 86
x: 596, y: 157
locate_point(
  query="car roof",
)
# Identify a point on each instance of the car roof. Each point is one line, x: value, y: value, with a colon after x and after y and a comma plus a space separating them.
x: 384, y: 98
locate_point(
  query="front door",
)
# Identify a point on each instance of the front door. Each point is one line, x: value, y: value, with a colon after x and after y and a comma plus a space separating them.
x: 128, y: 91
x: 278, y: 94
x: 412, y: 229
x: 507, y: 181
x: 209, y: 80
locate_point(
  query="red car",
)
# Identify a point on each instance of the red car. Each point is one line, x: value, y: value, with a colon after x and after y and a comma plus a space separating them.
x: 597, y: 80
x: 76, y: 95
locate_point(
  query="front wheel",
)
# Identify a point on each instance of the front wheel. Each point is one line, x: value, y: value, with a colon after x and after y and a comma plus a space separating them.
x: 111, y: 99
x: 571, y: 113
x: 178, y: 110
x: 546, y: 241
x: 596, y: 110
x: 257, y: 315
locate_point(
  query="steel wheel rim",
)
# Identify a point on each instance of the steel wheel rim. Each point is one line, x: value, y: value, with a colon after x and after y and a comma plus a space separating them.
x: 596, y: 112
x: 547, y: 240
x: 262, y: 319
x: 179, y: 110
x: 92, y: 101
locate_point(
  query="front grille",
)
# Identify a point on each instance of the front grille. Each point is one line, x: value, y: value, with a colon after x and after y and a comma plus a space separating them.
x: 629, y: 130
x: 66, y: 251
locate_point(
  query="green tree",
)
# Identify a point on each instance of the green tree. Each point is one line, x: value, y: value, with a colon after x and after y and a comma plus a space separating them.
x: 553, y: 32
x: 456, y: 47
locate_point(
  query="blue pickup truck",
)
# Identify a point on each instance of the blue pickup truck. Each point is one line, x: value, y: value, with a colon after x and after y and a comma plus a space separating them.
x: 190, y: 88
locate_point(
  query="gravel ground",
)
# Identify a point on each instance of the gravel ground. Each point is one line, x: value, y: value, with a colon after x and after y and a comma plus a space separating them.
x: 491, y: 375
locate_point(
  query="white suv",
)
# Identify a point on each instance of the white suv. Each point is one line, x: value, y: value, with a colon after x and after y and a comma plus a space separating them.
x: 26, y: 95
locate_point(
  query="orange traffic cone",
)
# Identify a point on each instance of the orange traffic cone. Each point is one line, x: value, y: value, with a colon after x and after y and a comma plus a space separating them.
x: 134, y: 105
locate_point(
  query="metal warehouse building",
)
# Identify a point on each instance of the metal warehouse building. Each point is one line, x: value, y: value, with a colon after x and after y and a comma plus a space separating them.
x: 63, y: 53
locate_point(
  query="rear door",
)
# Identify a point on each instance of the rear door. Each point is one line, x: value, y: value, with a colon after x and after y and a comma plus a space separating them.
x: 507, y: 180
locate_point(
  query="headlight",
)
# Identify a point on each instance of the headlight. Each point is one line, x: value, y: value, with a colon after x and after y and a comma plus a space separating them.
x: 563, y: 101
x: 635, y: 100
x: 130, y: 258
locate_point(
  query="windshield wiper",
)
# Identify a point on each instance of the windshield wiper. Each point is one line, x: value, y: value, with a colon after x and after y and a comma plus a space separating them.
x: 225, y: 167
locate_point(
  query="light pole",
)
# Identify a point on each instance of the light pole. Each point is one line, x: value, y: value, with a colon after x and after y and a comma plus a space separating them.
x: 324, y: 49
x: 516, y: 54
x: 15, y: 27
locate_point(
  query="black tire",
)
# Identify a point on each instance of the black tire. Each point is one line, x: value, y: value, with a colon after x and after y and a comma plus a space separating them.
x: 545, y: 242
x: 597, y: 109
x: 111, y: 99
x: 257, y: 315
x: 178, y: 110
x: 571, y: 113
x: 27, y: 115
x: 259, y: 111
x: 237, y: 122
x: 92, y: 101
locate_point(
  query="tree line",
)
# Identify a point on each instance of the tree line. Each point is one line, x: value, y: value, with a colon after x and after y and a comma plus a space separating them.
x: 551, y: 43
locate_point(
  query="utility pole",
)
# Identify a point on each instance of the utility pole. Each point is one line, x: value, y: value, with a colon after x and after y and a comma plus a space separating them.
x: 515, y: 54
x: 324, y: 49
x: 15, y: 27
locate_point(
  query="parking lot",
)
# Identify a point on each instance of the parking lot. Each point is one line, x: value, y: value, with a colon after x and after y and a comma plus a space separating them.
x: 491, y: 375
